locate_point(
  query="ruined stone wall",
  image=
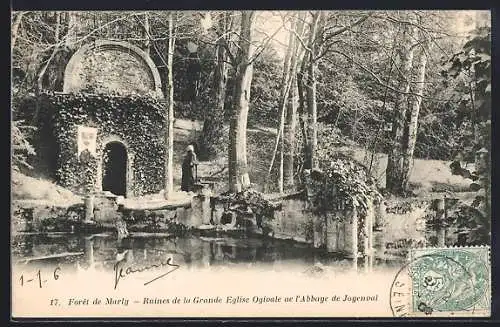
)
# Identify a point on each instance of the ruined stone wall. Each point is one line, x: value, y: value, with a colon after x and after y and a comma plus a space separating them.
x: 336, y: 231
x: 114, y: 71
x: 294, y: 221
x: 136, y: 122
x: 116, y: 88
x: 111, y: 67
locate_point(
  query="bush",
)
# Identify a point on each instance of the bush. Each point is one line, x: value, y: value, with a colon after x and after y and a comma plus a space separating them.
x: 21, y: 146
x: 341, y: 183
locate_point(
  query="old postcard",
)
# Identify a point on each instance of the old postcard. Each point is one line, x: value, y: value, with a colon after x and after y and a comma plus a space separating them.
x: 251, y: 164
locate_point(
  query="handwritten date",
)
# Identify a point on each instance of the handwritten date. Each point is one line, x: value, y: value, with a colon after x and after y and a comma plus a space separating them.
x: 38, y: 279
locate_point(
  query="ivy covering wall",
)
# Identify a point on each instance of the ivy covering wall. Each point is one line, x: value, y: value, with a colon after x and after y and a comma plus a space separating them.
x: 138, y: 121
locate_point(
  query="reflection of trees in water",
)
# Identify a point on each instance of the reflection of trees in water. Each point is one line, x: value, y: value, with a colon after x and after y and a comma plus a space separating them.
x: 39, y: 245
x: 197, y: 252
x: 22, y: 246
x: 103, y: 251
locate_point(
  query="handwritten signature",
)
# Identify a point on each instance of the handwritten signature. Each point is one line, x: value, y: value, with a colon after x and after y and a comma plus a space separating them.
x: 122, y: 272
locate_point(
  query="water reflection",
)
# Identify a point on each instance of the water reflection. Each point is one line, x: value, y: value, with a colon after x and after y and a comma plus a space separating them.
x: 102, y: 251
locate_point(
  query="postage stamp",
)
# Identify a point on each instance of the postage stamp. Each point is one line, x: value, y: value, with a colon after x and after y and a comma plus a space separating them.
x: 451, y: 281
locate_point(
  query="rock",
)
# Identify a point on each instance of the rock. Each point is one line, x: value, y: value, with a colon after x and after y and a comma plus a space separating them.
x: 121, y: 228
x: 206, y: 227
x: 315, y: 271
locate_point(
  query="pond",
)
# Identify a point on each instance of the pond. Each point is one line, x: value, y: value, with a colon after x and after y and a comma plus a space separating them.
x: 104, y: 250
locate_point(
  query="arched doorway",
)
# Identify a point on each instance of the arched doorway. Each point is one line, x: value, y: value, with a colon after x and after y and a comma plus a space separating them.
x: 114, y: 165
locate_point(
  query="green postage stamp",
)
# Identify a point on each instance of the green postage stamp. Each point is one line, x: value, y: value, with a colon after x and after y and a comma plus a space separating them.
x: 452, y: 281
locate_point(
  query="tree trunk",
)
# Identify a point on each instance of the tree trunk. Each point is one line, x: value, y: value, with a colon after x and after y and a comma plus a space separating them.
x: 413, y: 123
x: 291, y: 113
x: 147, y: 42
x: 212, y: 137
x: 57, y: 31
x: 310, y: 160
x: 169, y: 142
x: 238, y: 170
x: 286, y: 83
x: 302, y: 105
x: 15, y: 28
x: 312, y: 131
x: 43, y: 70
x: 394, y: 174
x: 289, y: 135
x: 71, y: 33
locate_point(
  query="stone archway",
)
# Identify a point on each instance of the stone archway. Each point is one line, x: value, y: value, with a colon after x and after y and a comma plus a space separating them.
x: 114, y: 175
x: 106, y: 66
x: 114, y: 169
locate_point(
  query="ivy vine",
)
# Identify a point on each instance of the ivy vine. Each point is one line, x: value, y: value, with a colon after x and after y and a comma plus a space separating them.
x: 139, y: 121
x: 341, y: 184
x: 249, y: 201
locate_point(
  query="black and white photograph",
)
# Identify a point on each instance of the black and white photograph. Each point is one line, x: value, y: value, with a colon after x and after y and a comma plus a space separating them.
x: 250, y: 163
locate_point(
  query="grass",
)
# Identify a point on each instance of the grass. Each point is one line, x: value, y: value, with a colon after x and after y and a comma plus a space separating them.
x: 426, y: 175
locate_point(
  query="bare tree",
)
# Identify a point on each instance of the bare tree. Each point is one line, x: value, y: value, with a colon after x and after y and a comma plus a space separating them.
x: 238, y: 169
x: 147, y: 32
x: 413, y: 118
x: 285, y: 138
x: 286, y: 84
x: 394, y: 172
x: 291, y: 111
x: 311, y: 142
x: 15, y: 27
x: 169, y: 142
x: 322, y: 36
x: 71, y: 34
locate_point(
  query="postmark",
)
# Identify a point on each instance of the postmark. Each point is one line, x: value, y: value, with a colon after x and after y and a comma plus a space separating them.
x: 453, y: 281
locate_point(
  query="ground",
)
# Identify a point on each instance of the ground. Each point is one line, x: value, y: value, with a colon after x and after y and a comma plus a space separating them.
x: 25, y: 188
x: 427, y: 176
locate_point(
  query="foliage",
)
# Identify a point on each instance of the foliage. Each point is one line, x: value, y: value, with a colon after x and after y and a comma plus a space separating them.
x: 193, y: 79
x: 85, y: 170
x: 139, y: 121
x: 189, y: 110
x: 475, y: 62
x: 249, y: 201
x: 352, y: 98
x: 444, y: 130
x: 152, y: 222
x: 265, y: 91
x: 329, y: 139
x: 473, y: 226
x: 404, y: 207
x: 21, y: 146
x: 341, y: 184
x: 349, y: 98
x: 345, y: 104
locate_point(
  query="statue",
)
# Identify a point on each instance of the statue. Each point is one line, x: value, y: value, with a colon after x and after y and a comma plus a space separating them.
x: 189, y: 170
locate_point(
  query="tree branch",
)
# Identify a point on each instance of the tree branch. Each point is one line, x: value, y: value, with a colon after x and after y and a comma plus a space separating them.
x: 15, y: 28
x: 343, y: 29
x: 263, y: 47
x: 299, y: 37
x: 377, y: 78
